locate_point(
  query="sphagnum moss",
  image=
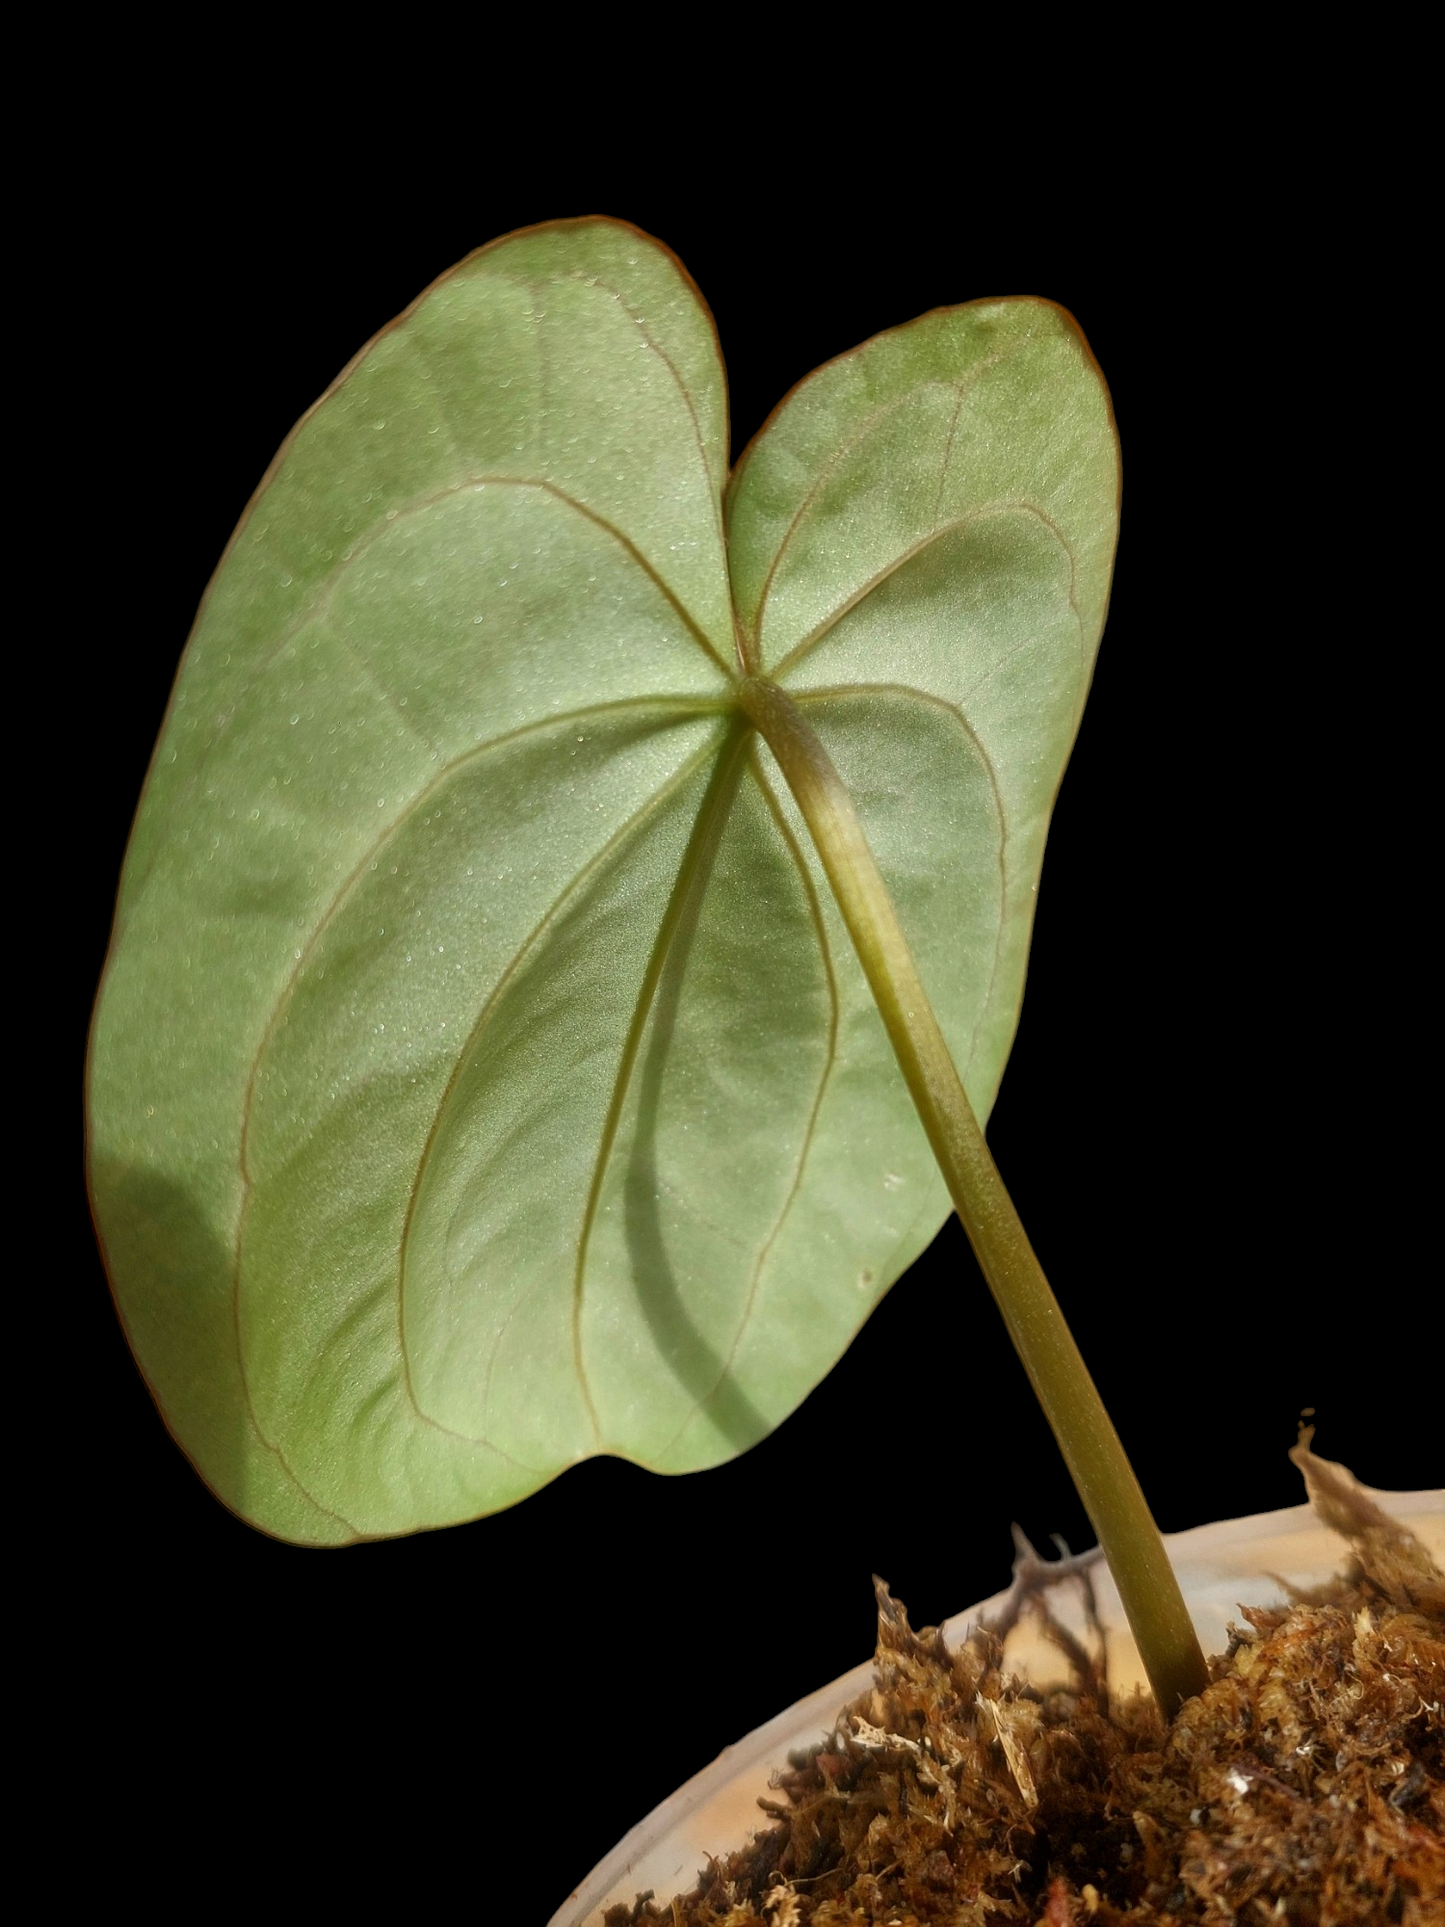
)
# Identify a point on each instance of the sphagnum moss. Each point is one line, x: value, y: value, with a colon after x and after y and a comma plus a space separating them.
x: 1305, y: 1784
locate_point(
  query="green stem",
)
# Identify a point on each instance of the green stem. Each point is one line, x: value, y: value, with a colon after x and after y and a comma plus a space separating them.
x: 1096, y: 1460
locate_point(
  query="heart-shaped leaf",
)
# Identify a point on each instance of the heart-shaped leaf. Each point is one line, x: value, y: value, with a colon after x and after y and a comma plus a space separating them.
x: 482, y: 1076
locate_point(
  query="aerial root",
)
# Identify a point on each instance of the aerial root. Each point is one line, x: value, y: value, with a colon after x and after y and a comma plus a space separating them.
x: 1033, y: 1578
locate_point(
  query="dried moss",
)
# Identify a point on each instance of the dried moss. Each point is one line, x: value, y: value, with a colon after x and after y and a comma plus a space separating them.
x: 1306, y: 1785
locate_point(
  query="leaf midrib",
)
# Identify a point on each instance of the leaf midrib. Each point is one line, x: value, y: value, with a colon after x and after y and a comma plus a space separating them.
x: 574, y: 886
x: 693, y: 872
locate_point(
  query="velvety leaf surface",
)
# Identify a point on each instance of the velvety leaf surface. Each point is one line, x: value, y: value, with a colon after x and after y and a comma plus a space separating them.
x: 482, y: 1077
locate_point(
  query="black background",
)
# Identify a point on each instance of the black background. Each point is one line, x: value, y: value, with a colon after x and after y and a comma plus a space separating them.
x: 1205, y: 1120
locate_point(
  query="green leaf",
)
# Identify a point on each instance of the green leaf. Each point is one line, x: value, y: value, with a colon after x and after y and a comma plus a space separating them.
x: 482, y: 1077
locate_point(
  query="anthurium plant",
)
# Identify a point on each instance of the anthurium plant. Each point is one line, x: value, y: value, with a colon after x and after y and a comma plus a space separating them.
x: 577, y: 918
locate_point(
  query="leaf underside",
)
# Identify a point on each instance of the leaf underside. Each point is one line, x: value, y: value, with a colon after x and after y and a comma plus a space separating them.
x: 482, y: 1077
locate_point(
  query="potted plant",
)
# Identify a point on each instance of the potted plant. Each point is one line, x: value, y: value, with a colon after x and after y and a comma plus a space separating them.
x: 683, y: 912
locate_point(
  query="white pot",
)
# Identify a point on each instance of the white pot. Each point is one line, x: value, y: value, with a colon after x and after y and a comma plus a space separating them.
x: 1221, y: 1567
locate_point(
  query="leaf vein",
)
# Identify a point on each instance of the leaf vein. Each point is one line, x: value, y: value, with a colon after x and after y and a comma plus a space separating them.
x: 861, y: 431
x: 957, y: 715
x: 646, y: 336
x: 682, y: 711
x: 319, y: 604
x: 861, y: 594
